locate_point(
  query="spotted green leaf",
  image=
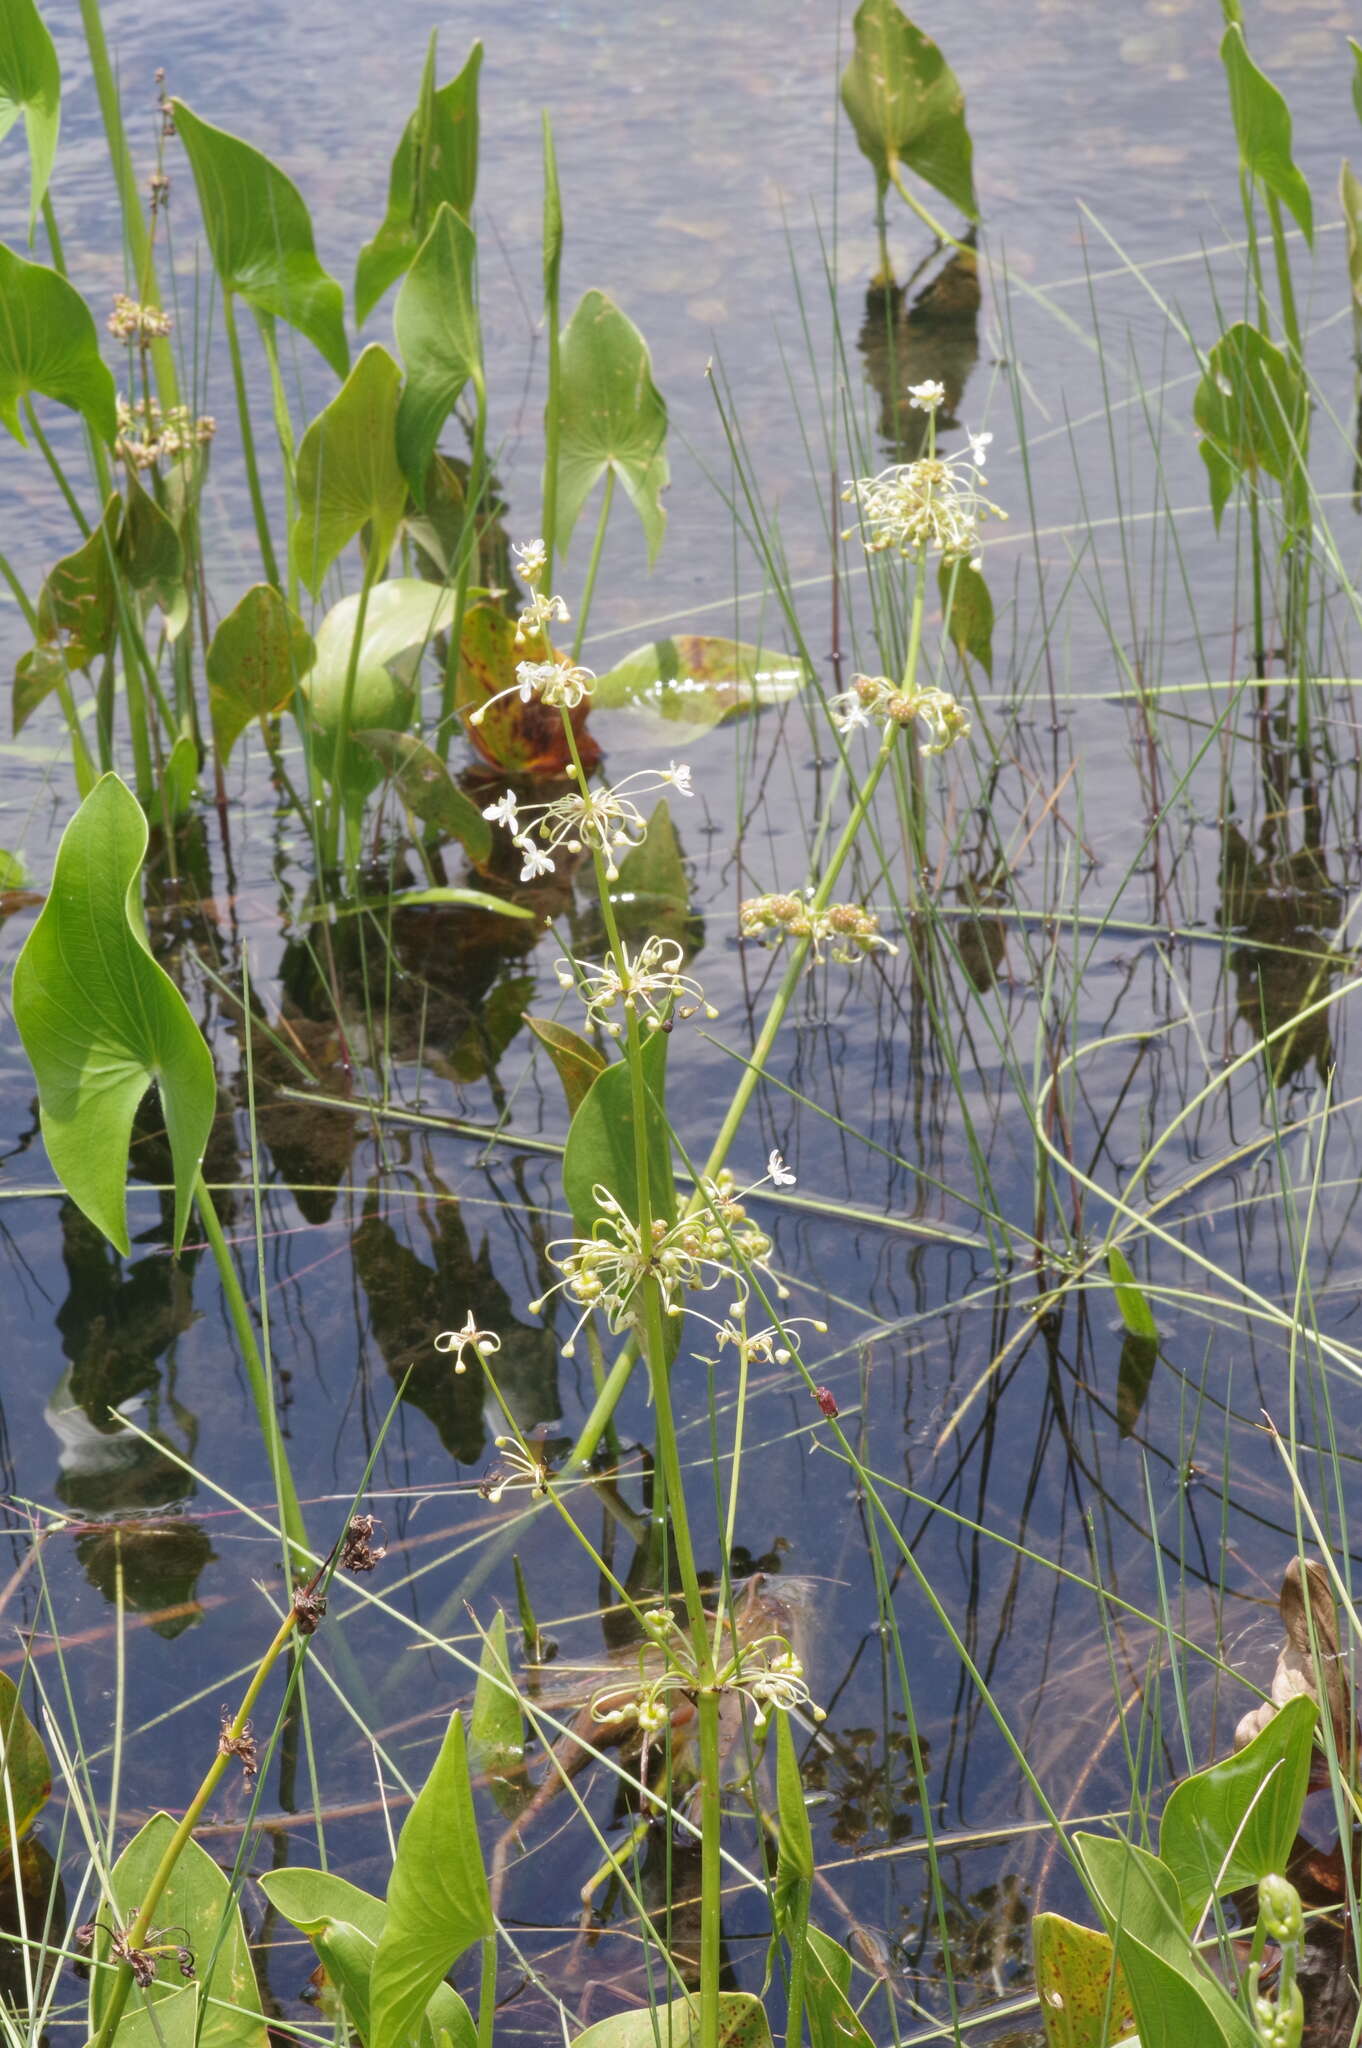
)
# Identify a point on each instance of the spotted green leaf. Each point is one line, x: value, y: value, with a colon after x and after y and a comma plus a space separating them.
x: 348, y: 473
x: 254, y: 661
x: 48, y: 344
x: 906, y: 106
x: 436, y: 163
x: 260, y: 235
x: 742, y: 2023
x: 1078, y: 2003
x: 611, y: 417
x: 436, y: 324
x: 101, y: 1021
x: 30, y: 84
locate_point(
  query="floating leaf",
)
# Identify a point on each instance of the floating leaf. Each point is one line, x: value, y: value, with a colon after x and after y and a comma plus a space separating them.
x: 1251, y: 407
x: 496, y: 1730
x: 696, y: 681
x: 436, y: 324
x: 1234, y: 1823
x: 30, y: 84
x: 1262, y: 127
x: 26, y: 1772
x: 260, y: 235
x: 438, y: 1902
x: 518, y: 738
x: 428, y: 790
x: 436, y: 162
x: 48, y: 344
x: 600, y: 1146
x: 198, y: 1904
x: 101, y: 1021
x: 254, y: 661
x: 401, y: 619
x: 348, y: 474
x: 576, y: 1060
x: 742, y: 2024
x: 967, y: 609
x: 1073, y: 1971
x: 906, y: 106
x: 1136, y: 1313
x: 611, y: 416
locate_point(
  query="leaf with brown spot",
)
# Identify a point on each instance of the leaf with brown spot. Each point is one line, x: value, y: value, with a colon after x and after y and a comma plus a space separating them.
x: 1073, y: 1968
x: 518, y: 738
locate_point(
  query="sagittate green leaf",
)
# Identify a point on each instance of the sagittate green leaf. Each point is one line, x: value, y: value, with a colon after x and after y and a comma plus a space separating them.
x: 436, y: 324
x: 48, y: 344
x: 260, y: 236
x: 198, y: 1904
x: 438, y: 1901
x: 78, y: 603
x: 101, y: 1021
x: 576, y: 1060
x: 1262, y: 127
x: 1234, y: 1823
x: 742, y: 2024
x: 24, y: 1766
x: 1078, y: 2003
x: 906, y: 106
x: 348, y: 472
x: 436, y: 163
x: 611, y: 416
x: 30, y: 84
x: 1251, y: 409
x: 255, y: 659
x: 600, y: 1146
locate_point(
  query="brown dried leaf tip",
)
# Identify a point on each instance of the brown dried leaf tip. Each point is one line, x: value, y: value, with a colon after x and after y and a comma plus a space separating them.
x: 359, y: 1553
x: 242, y: 1746
x: 308, y: 1606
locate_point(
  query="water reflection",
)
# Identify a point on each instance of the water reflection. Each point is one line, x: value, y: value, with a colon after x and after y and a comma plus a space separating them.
x: 934, y: 337
x: 1284, y: 904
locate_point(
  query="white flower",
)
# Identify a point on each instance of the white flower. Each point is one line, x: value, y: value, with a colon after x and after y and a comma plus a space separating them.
x: 531, y: 559
x: 504, y: 812
x: 482, y: 1343
x: 561, y: 683
x: 892, y: 704
x: 678, y: 775
x: 537, y: 862
x: 778, y: 1173
x: 933, y: 505
x: 541, y: 611
x: 927, y: 397
x: 848, y: 712
x: 978, y: 446
x: 645, y: 983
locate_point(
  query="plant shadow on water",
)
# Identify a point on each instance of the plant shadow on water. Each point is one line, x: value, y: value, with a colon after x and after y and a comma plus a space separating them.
x: 835, y: 1661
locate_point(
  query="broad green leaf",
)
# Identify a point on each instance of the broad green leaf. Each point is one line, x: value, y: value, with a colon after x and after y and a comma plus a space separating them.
x: 600, y: 1143
x: 496, y: 1730
x: 254, y: 662
x: 170, y: 2022
x: 652, y: 892
x: 575, y: 1059
x: 611, y: 416
x: 1251, y: 406
x: 428, y: 790
x: 151, y: 557
x: 48, y: 344
x: 967, y: 610
x: 1235, y: 1823
x: 260, y: 236
x: 436, y: 324
x: 833, y: 2020
x: 696, y: 681
x: 518, y: 738
x: 198, y: 1903
x: 78, y: 603
x: 1073, y: 1971
x: 1262, y: 127
x: 402, y: 618
x: 36, y: 676
x: 179, y: 779
x: 742, y: 2024
x: 906, y: 106
x: 1170, y: 1987
x: 30, y: 84
x: 344, y: 1925
x: 1350, y: 199
x: 24, y: 1765
x: 1136, y: 1313
x: 101, y: 1021
x: 438, y: 1902
x: 436, y: 163
x: 348, y: 473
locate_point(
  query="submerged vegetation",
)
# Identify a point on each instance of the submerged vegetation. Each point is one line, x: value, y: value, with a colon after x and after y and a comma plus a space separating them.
x: 664, y: 1360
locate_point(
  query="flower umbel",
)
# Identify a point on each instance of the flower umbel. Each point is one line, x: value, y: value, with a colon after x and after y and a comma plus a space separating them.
x: 841, y: 931
x: 606, y: 820
x: 146, y: 434
x: 561, y: 683
x: 131, y: 322
x: 875, y: 700
x: 519, y: 1467
x: 934, y: 503
x: 647, y: 983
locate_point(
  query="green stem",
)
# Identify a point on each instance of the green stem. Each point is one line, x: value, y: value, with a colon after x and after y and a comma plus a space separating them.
x: 487, y: 1991
x: 711, y: 1869
x: 1286, y: 290
x: 243, y: 413
x: 283, y: 428
x: 137, y: 1933
x: 292, y: 1526
x: 49, y: 457
x: 597, y: 547
x: 885, y: 276
x: 553, y: 249
x: 929, y: 219
x: 468, y: 554
x: 372, y: 565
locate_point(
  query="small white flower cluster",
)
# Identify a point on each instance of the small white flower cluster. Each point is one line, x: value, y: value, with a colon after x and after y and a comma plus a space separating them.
x: 934, y: 504
x: 542, y: 611
x: 650, y: 984
x: 606, y: 820
x: 718, y: 1244
x: 561, y: 683
x: 766, y: 1673
x: 146, y: 434
x: 131, y: 322
x: 842, y: 931
x: 519, y: 1467
x: 875, y: 700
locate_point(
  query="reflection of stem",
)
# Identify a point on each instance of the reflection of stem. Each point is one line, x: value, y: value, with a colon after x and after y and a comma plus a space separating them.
x: 243, y: 413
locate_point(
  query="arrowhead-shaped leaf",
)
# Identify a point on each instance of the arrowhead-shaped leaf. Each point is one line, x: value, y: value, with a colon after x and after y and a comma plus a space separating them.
x: 30, y: 84
x: 78, y: 603
x: 436, y: 324
x: 1262, y: 127
x: 101, y: 1021
x: 48, y: 344
x: 436, y: 162
x: 348, y: 473
x: 1234, y: 1823
x: 600, y: 1149
x: 906, y: 106
x: 260, y: 235
x: 611, y: 417
x: 1251, y: 406
x: 257, y: 655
